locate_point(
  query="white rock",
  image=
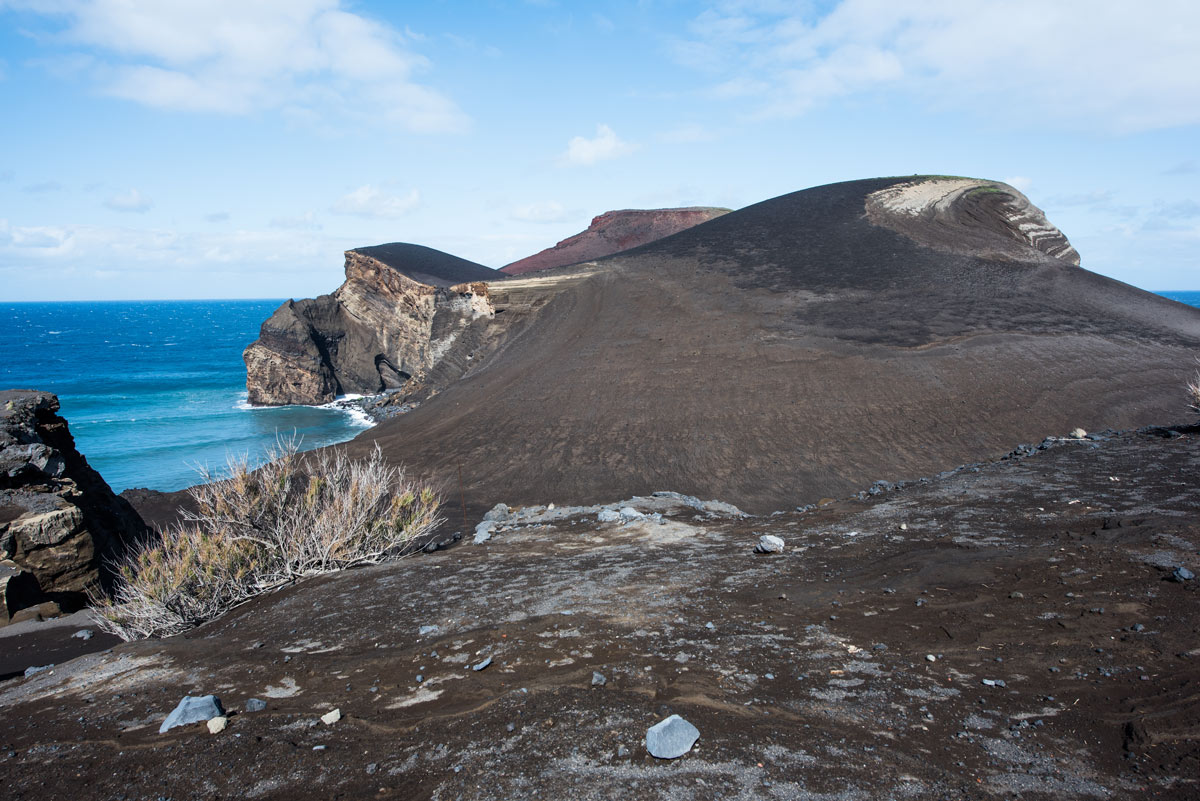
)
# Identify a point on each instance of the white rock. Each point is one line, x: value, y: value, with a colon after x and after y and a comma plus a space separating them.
x: 671, y: 738
x: 769, y: 543
x: 608, y: 516
x: 330, y: 718
x: 483, y: 531
x: 193, y: 709
x: 629, y: 513
x: 1078, y: 433
x: 218, y: 724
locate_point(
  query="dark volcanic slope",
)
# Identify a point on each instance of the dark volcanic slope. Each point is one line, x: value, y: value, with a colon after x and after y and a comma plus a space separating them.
x: 427, y: 265
x: 797, y: 349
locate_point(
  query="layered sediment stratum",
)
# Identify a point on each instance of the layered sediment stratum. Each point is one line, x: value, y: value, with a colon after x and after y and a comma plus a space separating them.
x: 613, y: 232
x: 403, y: 311
x: 60, y: 523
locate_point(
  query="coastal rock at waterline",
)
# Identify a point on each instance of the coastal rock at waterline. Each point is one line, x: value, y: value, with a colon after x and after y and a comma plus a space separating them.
x: 401, y: 312
x: 60, y: 523
x: 671, y: 738
x: 193, y: 709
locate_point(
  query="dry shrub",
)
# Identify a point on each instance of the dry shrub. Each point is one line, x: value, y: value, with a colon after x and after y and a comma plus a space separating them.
x: 260, y: 529
x: 1193, y: 393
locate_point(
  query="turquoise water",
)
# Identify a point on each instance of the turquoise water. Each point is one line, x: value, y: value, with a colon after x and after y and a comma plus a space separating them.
x: 151, y: 389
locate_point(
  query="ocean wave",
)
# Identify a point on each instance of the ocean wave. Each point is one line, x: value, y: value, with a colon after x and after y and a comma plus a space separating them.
x: 342, y: 403
x: 346, y: 404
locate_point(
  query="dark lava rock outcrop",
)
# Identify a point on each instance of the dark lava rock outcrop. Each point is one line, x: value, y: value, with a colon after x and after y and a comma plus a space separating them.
x: 60, y: 523
x: 612, y: 232
x: 1006, y: 631
x: 401, y: 312
x: 800, y: 348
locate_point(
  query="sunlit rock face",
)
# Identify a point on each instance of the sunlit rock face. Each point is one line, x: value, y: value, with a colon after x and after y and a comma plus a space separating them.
x: 401, y: 311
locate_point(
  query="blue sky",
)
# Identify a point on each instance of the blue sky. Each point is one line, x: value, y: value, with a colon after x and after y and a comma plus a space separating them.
x: 220, y: 148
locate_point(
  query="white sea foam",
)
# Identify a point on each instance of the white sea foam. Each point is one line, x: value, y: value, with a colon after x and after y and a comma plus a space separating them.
x: 342, y: 403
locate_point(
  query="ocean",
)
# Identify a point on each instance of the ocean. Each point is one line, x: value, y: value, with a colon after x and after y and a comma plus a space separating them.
x: 1190, y: 298
x: 154, y: 389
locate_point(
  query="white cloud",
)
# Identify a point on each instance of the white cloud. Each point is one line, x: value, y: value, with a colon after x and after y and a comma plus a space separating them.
x: 603, y: 146
x: 104, y: 247
x: 546, y: 212
x: 1075, y: 63
x: 369, y: 201
x: 236, y: 57
x: 217, y: 217
x: 132, y: 200
x: 166, y: 263
x: 1019, y: 182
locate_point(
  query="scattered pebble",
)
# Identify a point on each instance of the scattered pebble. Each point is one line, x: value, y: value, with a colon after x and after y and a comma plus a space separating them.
x: 330, y: 718
x: 255, y: 705
x: 482, y: 665
x: 930, y: 658
x: 994, y: 682
x: 598, y: 679
x: 217, y: 724
x: 83, y: 634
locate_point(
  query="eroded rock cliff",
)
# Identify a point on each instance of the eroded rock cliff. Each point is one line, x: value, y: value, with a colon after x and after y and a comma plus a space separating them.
x: 60, y: 523
x: 401, y: 310
x: 986, y: 219
x: 613, y: 232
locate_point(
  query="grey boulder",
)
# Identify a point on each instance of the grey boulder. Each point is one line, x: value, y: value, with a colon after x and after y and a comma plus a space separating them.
x: 769, y: 543
x: 671, y: 738
x: 193, y: 709
x: 483, y: 532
